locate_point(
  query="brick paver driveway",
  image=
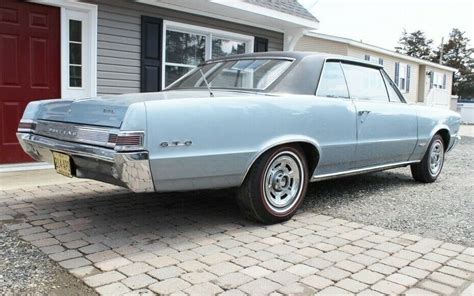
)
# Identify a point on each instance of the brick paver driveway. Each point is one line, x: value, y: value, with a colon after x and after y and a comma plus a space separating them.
x: 118, y: 242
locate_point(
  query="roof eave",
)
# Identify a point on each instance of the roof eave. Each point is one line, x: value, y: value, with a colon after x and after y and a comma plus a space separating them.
x: 239, y: 12
x: 358, y: 44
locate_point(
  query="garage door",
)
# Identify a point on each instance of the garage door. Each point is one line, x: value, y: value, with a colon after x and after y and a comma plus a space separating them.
x: 29, y: 66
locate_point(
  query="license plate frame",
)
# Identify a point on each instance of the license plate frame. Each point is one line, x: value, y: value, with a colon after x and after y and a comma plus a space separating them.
x: 63, y: 164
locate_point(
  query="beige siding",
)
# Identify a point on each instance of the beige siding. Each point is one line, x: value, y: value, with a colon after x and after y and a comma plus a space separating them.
x: 307, y: 43
x: 389, y: 66
x: 435, y: 96
x: 449, y: 79
x: 118, y: 40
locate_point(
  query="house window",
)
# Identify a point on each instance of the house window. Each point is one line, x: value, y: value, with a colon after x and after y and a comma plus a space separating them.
x: 439, y: 80
x: 184, y: 51
x: 187, y: 46
x: 402, y: 77
x: 222, y: 47
x: 372, y: 59
x: 75, y: 53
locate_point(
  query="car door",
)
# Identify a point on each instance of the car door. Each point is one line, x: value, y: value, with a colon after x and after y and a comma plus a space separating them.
x: 335, y: 116
x: 386, y: 125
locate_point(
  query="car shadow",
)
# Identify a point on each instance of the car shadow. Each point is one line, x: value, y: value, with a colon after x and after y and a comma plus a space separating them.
x: 369, y: 183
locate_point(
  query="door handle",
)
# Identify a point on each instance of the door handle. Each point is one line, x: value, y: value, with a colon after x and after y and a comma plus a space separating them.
x: 363, y: 112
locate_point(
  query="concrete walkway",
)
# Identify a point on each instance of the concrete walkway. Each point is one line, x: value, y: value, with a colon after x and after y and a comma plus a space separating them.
x: 197, y: 243
x: 32, y: 178
x: 466, y: 130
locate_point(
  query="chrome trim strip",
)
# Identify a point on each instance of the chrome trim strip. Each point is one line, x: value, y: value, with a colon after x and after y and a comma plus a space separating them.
x: 360, y: 171
x: 75, y: 132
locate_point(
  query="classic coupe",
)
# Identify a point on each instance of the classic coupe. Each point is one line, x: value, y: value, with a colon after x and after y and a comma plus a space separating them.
x: 266, y: 123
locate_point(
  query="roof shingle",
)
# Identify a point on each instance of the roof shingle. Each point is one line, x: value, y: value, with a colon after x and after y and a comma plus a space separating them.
x: 292, y: 7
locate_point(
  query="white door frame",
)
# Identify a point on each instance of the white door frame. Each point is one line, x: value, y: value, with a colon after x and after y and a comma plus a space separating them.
x: 90, y: 31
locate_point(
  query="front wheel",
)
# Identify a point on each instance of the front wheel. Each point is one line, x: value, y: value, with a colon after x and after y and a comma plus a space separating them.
x: 275, y: 185
x: 428, y: 170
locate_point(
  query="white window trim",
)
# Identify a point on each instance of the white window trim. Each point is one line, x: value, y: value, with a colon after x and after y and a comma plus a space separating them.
x: 91, y: 10
x: 205, y: 31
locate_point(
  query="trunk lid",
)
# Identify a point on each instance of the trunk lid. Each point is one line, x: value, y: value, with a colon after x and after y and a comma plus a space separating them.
x: 108, y: 111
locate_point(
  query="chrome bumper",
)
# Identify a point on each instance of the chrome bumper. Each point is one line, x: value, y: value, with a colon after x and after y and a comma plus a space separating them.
x: 127, y: 169
x: 454, y: 141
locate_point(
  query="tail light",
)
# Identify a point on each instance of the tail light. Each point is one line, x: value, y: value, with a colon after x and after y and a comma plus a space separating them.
x: 26, y: 126
x: 127, y: 141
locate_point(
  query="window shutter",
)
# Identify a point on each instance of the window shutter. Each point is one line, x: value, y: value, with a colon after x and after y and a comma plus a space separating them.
x: 260, y: 44
x: 431, y: 79
x: 151, y: 57
x: 367, y: 57
x: 397, y: 73
x: 444, y: 81
x: 380, y: 61
x: 408, y: 78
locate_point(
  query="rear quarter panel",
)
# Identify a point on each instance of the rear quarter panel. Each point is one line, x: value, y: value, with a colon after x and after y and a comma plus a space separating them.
x: 229, y: 133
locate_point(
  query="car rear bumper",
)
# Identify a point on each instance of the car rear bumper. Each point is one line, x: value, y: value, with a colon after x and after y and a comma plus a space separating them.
x: 127, y: 169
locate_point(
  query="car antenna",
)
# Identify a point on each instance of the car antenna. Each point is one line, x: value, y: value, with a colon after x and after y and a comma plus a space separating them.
x: 211, y: 94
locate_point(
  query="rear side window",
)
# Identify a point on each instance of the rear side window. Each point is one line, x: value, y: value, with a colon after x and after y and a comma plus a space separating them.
x: 391, y: 89
x: 365, y: 83
x: 332, y: 83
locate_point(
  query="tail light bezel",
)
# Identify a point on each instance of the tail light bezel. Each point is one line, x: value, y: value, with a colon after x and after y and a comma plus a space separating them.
x: 127, y: 140
x: 27, y: 126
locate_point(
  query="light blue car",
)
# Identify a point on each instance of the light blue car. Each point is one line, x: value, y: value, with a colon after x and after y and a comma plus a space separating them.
x: 267, y: 123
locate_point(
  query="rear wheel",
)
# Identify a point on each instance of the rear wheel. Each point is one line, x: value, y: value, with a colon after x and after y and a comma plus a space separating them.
x: 275, y: 185
x: 428, y: 170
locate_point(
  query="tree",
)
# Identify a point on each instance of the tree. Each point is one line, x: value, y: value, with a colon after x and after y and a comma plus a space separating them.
x: 456, y: 53
x: 415, y: 44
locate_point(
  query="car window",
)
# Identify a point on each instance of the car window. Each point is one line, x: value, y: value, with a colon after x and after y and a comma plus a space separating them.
x: 365, y: 82
x: 391, y: 89
x: 332, y: 83
x: 250, y: 74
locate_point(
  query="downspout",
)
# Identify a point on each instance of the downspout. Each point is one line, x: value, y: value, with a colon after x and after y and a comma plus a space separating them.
x: 291, y: 37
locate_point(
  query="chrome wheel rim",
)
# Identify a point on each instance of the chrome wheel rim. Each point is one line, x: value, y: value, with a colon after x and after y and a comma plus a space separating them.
x: 284, y: 180
x: 436, y: 157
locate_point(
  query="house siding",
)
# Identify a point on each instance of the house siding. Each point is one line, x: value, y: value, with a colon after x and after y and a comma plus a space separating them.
x: 435, y: 96
x: 307, y: 43
x: 119, y: 33
x: 389, y: 66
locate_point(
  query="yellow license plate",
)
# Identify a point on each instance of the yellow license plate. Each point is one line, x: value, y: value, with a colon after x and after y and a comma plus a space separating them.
x: 62, y: 164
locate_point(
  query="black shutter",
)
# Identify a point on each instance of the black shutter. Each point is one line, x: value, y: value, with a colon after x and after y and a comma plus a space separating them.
x: 397, y: 73
x: 380, y: 61
x: 151, y: 57
x: 431, y: 79
x: 367, y: 57
x: 444, y: 81
x: 408, y: 78
x: 260, y: 44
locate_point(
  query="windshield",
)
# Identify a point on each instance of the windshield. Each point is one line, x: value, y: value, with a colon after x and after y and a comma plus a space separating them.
x: 248, y: 74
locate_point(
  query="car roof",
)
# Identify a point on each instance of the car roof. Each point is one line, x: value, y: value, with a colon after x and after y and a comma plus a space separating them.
x: 297, y: 55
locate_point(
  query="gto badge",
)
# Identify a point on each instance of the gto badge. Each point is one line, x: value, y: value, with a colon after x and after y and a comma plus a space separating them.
x: 176, y: 143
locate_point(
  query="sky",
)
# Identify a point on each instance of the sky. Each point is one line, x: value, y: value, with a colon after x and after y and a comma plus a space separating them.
x: 381, y: 22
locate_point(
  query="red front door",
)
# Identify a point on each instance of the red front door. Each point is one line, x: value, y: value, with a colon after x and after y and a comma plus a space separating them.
x: 29, y: 66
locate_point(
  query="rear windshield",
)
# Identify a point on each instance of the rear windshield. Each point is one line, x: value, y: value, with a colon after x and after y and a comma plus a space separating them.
x: 248, y: 74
